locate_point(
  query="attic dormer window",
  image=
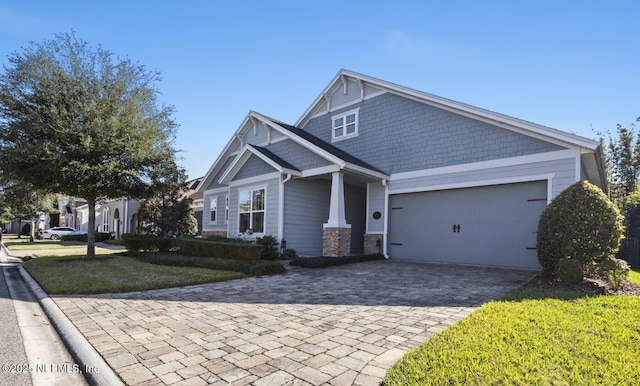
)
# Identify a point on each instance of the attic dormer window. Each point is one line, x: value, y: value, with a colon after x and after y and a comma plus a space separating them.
x: 344, y: 125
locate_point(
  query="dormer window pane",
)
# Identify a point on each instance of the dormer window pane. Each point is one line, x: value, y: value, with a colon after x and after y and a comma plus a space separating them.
x: 345, y: 125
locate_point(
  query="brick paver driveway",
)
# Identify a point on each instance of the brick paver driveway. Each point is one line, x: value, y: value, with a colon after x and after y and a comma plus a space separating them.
x: 339, y: 326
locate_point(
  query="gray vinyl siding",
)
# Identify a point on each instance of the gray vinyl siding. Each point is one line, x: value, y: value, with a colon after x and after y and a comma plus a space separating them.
x: 565, y: 175
x: 355, y: 202
x: 272, y: 191
x: 353, y: 94
x: 220, y: 224
x: 253, y: 167
x: 583, y: 172
x: 396, y: 134
x: 214, y: 183
x: 306, y: 209
x: 297, y: 155
x: 256, y: 137
x: 376, y: 204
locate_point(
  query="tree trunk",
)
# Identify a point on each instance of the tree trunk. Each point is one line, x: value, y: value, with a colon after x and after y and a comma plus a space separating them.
x: 33, y: 226
x: 91, y: 232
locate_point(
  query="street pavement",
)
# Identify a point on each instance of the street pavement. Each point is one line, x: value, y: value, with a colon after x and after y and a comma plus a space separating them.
x: 11, y: 347
x: 343, y: 325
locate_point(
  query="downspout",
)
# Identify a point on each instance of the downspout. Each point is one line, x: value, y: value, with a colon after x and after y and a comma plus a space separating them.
x: 281, y: 208
x: 386, y: 219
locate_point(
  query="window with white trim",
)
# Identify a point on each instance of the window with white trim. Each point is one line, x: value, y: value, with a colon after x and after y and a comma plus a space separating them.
x: 213, y: 210
x: 252, y: 211
x: 226, y: 208
x: 105, y: 220
x: 344, y: 125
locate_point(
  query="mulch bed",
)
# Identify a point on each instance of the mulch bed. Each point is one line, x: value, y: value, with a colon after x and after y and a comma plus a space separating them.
x: 590, y: 286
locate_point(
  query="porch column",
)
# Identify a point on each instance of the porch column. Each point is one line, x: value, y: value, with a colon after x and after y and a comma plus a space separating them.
x: 336, y: 239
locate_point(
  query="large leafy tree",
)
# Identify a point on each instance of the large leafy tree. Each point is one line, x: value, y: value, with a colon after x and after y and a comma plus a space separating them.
x: 622, y: 161
x: 79, y: 121
x: 168, y: 211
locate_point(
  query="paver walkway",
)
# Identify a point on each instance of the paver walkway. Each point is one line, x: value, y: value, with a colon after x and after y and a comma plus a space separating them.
x: 339, y: 326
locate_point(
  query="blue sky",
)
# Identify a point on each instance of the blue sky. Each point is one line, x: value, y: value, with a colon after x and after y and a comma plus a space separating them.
x: 570, y: 65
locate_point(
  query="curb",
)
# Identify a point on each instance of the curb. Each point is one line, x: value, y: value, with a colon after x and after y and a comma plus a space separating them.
x: 79, y: 347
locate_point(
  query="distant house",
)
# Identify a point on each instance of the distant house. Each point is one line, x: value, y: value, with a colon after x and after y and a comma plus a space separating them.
x: 373, y: 166
x: 197, y: 202
x: 113, y: 216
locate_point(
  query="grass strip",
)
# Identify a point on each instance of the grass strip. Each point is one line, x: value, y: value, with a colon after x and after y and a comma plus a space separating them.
x: 115, y: 273
x: 533, y: 337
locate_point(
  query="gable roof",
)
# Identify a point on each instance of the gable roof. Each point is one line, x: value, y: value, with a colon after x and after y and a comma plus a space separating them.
x: 491, y: 117
x: 341, y: 154
x: 323, y: 149
x: 267, y: 156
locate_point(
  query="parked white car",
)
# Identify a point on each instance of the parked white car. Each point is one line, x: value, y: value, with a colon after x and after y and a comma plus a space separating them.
x: 56, y: 233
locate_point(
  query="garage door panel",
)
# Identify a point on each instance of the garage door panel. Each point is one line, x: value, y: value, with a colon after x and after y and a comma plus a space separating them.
x: 497, y: 225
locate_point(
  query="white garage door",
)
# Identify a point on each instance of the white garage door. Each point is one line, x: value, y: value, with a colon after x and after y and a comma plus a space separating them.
x: 489, y: 225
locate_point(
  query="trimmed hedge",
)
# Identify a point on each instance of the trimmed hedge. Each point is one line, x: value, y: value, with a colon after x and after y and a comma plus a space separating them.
x: 147, y: 243
x: 248, y: 267
x: 99, y: 237
x: 204, y: 248
x: 324, y: 261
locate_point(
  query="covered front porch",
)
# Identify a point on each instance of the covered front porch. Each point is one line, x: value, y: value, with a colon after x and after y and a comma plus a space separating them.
x: 326, y: 214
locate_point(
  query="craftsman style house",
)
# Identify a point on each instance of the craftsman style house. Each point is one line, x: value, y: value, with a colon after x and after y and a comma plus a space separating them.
x: 374, y: 167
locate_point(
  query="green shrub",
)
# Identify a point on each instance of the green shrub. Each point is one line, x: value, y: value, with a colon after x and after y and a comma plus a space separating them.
x: 289, y: 254
x: 324, y: 261
x: 569, y: 270
x: 614, y: 271
x: 580, y: 224
x: 269, y: 245
x: 147, y: 243
x: 229, y: 250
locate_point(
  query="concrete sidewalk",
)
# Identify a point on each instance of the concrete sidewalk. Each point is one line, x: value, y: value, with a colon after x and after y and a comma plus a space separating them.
x: 338, y: 326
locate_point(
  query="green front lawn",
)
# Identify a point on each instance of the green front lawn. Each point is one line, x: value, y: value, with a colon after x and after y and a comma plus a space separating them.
x: 116, y: 273
x: 22, y: 244
x: 533, y: 337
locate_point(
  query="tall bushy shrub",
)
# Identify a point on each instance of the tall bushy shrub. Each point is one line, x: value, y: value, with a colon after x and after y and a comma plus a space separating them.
x: 582, y: 224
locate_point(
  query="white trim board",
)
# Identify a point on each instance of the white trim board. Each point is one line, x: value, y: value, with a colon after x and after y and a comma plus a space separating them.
x: 477, y: 183
x: 254, y: 180
x: 502, y: 162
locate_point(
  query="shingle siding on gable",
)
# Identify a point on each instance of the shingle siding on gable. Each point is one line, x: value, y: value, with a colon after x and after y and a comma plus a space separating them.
x: 253, y: 167
x: 297, y: 155
x: 214, y: 183
x: 391, y: 126
x: 257, y: 136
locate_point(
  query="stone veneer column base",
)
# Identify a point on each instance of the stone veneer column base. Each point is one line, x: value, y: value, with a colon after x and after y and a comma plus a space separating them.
x: 336, y: 242
x: 370, y: 247
x: 214, y: 233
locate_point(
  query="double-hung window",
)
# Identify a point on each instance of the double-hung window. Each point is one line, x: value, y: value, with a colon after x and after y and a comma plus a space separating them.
x: 226, y: 209
x: 252, y: 211
x: 213, y: 210
x: 344, y: 125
